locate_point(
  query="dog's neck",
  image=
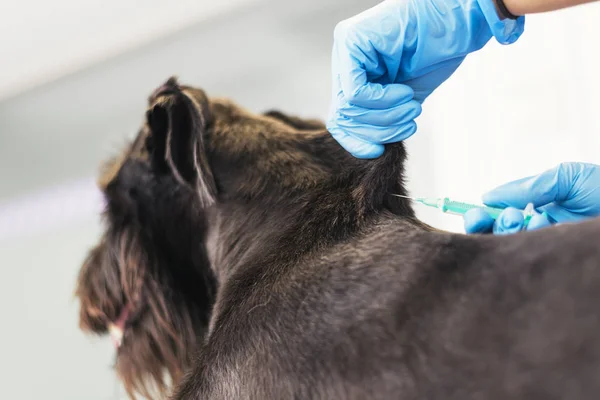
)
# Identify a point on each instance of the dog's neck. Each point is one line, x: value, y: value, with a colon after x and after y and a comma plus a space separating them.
x: 283, y: 227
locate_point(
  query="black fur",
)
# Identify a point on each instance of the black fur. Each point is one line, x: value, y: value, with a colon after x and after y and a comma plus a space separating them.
x: 327, y: 287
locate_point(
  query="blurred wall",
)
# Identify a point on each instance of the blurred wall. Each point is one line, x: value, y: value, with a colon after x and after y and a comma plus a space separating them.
x: 44, y: 40
x: 507, y: 112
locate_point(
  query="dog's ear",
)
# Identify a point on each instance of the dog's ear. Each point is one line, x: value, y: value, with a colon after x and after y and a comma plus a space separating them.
x: 178, y: 122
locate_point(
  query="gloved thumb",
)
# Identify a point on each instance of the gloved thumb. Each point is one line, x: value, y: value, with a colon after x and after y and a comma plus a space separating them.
x: 476, y: 220
x: 538, y: 221
x: 512, y: 220
x: 509, y: 221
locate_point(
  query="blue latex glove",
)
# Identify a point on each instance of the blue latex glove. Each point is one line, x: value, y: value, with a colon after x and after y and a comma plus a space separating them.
x: 388, y: 59
x: 568, y: 193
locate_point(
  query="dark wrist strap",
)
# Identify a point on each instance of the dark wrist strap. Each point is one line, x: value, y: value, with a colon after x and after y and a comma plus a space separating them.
x: 504, y: 11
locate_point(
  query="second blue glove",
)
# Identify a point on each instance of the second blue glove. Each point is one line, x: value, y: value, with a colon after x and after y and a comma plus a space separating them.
x: 569, y: 192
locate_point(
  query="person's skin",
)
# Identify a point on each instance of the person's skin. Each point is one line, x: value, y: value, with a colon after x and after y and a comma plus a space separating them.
x: 524, y: 7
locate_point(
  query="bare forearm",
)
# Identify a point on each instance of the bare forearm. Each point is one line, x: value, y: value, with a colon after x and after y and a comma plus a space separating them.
x: 523, y: 7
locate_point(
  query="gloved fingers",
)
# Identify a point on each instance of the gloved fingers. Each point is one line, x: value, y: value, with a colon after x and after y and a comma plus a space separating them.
x: 357, y: 147
x: 377, y: 134
x: 509, y: 221
x: 351, y: 74
x: 368, y: 127
x: 396, y: 115
x: 421, y: 85
x: 478, y: 221
x: 377, y: 96
x: 554, y: 185
x: 538, y: 221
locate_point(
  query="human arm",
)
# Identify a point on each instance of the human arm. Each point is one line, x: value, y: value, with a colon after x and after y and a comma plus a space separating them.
x: 524, y: 7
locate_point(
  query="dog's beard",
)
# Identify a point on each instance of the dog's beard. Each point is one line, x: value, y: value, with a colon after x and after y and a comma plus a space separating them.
x: 125, y: 293
x: 155, y: 351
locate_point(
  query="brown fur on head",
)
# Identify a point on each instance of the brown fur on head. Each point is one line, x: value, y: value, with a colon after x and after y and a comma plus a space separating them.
x: 192, y: 155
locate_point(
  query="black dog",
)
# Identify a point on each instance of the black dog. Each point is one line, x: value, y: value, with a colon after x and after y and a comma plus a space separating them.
x: 254, y: 253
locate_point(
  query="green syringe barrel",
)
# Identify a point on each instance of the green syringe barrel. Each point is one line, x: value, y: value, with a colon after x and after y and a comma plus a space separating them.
x: 459, y: 208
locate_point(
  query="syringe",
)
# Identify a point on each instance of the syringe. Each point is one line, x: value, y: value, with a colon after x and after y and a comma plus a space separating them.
x: 459, y: 208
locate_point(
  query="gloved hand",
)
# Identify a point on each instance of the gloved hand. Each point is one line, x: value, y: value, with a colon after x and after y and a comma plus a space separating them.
x: 388, y: 59
x: 568, y: 193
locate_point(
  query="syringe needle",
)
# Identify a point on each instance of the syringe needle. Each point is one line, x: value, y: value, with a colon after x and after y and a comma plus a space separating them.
x: 404, y: 197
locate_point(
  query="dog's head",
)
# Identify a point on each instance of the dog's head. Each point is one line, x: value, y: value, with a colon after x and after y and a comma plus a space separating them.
x: 148, y: 282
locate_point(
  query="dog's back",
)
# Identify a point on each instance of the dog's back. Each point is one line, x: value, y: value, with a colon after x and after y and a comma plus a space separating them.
x: 404, y: 313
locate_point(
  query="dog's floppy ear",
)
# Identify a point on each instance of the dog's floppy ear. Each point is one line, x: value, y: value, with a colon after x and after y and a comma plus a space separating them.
x: 177, y: 121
